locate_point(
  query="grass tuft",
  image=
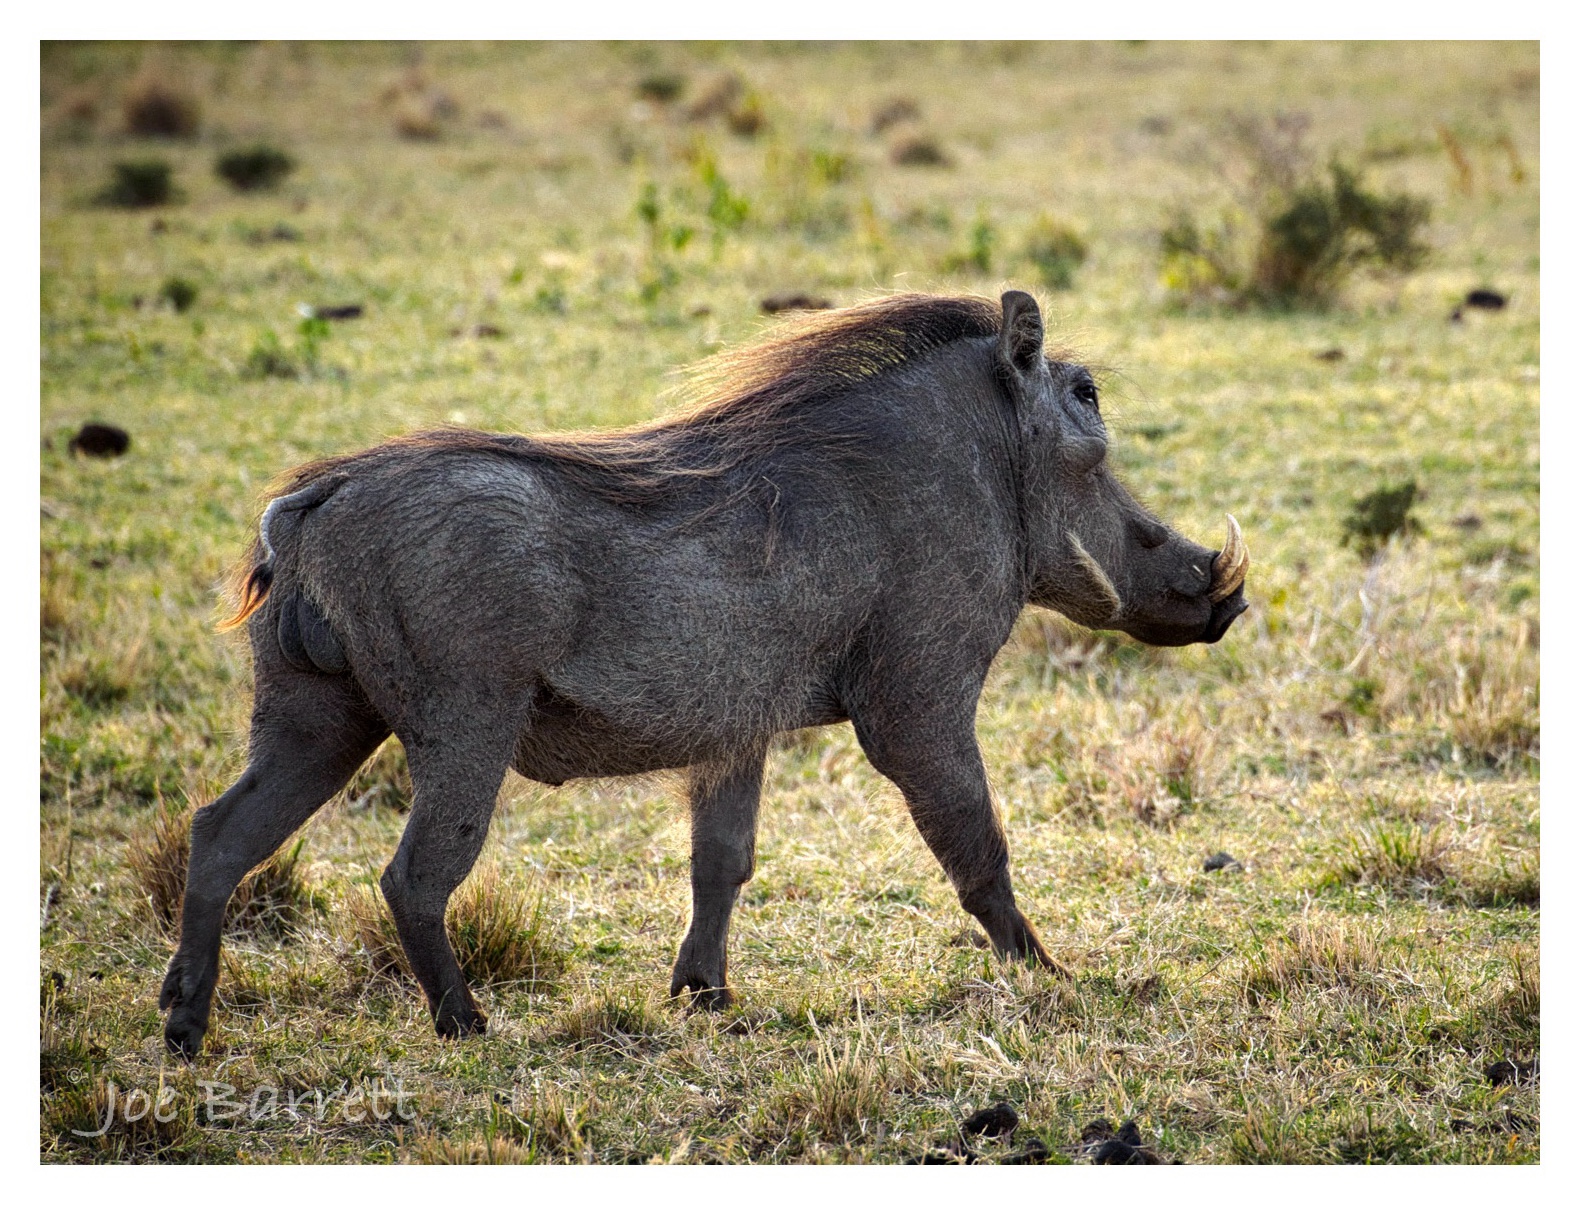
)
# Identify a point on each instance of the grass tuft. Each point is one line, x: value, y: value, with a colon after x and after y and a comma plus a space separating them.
x: 1321, y: 955
x: 617, y: 1017
x: 501, y: 934
x: 1402, y: 858
x: 273, y: 901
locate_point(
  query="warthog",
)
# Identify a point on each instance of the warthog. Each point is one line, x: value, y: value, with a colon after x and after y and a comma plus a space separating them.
x: 845, y: 529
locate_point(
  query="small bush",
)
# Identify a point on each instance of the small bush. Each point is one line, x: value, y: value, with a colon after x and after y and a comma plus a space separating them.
x: 273, y: 901
x: 1380, y: 515
x: 140, y: 184
x: 661, y: 87
x: 1057, y: 251
x: 978, y: 255
x: 1298, y: 235
x: 269, y: 359
x: 1317, y: 235
x: 254, y: 169
x: 499, y: 932
x: 179, y: 292
x: 160, y: 108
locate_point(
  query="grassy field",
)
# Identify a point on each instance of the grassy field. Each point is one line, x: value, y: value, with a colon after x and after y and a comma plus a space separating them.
x: 540, y: 236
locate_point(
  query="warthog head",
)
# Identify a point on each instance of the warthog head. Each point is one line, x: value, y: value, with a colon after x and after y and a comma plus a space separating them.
x: 1097, y: 555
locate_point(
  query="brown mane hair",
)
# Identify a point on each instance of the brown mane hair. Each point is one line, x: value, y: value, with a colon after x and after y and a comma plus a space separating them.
x: 746, y: 402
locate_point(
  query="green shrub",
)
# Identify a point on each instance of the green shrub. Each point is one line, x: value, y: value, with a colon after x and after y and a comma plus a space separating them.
x: 1314, y: 237
x: 978, y: 255
x: 139, y: 184
x: 1057, y: 251
x: 268, y: 359
x: 661, y: 87
x: 1297, y: 238
x: 1383, y: 513
x: 180, y: 293
x: 255, y: 168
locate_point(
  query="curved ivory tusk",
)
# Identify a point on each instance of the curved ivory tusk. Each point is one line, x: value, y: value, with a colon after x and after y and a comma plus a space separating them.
x: 1228, y: 570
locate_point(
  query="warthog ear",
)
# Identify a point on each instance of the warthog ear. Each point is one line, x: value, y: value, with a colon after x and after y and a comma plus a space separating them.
x: 1020, y: 338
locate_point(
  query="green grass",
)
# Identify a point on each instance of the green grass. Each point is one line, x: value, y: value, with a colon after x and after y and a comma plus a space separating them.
x: 1364, y: 742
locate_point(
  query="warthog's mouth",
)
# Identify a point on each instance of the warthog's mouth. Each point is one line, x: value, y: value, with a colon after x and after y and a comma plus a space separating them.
x: 1223, y: 614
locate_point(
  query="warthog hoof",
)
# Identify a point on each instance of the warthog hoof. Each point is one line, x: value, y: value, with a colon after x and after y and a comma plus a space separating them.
x: 186, y: 1025
x: 184, y: 1035
x: 453, y: 1023
x: 713, y: 997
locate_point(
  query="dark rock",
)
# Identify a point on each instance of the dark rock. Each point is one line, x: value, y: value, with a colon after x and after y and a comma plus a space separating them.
x: 336, y: 313
x: 1485, y: 299
x: 1469, y: 521
x: 100, y: 439
x: 995, y: 1121
x: 795, y: 301
x: 1222, y: 861
x: 1332, y: 355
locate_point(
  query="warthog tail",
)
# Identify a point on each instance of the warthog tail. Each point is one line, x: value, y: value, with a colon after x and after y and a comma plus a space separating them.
x: 255, y: 575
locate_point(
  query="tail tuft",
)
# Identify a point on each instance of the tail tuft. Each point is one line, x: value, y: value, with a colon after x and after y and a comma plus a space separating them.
x: 251, y: 593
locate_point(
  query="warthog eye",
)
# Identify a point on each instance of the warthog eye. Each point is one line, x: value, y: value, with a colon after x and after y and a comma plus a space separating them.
x: 1087, y: 392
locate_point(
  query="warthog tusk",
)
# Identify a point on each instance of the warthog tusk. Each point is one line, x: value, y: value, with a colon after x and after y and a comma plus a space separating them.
x: 1228, y: 569
x: 1095, y: 571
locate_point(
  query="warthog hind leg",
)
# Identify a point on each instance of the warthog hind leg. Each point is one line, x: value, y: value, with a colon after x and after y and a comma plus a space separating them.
x: 724, y: 798
x: 309, y: 735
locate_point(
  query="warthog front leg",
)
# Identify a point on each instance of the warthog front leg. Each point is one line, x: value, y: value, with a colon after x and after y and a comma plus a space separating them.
x: 308, y: 738
x: 724, y: 800
x: 455, y: 784
x: 938, y: 767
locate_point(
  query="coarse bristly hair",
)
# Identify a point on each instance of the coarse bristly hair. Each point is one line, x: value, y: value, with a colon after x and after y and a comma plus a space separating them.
x: 746, y: 402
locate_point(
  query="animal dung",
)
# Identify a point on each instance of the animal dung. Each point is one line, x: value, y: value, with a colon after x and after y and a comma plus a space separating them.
x: 994, y: 1121
x: 1222, y: 861
x: 1123, y: 1147
x: 1479, y: 299
x: 1507, y: 1071
x: 330, y: 313
x: 100, y: 439
x: 1331, y: 355
x: 780, y: 302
